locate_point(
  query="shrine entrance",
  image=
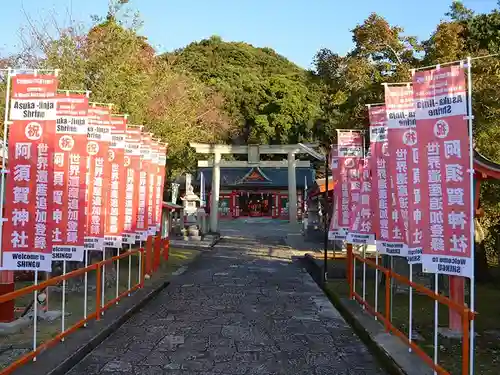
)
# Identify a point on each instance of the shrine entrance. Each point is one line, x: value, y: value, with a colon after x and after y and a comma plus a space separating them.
x: 254, y: 187
x: 256, y: 204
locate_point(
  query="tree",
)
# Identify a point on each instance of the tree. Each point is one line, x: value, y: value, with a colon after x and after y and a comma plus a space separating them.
x: 119, y: 66
x: 469, y: 34
x: 382, y: 53
x: 386, y: 47
x: 268, y: 97
x: 459, y: 12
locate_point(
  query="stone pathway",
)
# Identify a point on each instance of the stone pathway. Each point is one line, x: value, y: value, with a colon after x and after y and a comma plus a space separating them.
x: 244, y: 308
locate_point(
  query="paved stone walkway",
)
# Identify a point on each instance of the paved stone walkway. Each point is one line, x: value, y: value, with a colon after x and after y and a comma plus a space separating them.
x: 244, y: 308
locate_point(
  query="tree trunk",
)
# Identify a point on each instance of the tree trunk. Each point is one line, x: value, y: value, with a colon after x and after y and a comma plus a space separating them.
x: 481, y: 268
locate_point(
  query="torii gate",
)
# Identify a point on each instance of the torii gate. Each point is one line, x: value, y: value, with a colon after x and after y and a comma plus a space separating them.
x: 253, y: 151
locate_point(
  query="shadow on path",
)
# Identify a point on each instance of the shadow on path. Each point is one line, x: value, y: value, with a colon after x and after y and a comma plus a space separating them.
x: 244, y: 308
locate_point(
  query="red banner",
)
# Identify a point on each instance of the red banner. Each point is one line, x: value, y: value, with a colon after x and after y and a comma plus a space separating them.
x: 132, y: 170
x: 334, y: 167
x: 403, y: 140
x: 350, y: 149
x: 160, y: 182
x: 153, y: 173
x: 361, y: 228
x: 70, y: 142
x: 401, y: 136
x: 143, y: 201
x: 99, y: 170
x: 27, y: 239
x: 440, y: 107
x: 380, y: 180
x: 115, y: 204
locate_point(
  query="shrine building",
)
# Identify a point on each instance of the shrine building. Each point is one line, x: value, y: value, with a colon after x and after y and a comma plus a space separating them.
x: 256, y: 191
x: 254, y: 187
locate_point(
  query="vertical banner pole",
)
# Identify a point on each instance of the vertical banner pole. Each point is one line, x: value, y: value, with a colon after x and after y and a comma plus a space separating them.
x: 103, y: 285
x: 117, y: 276
x: 63, y: 303
x: 140, y: 263
x: 436, y: 317
x: 410, y: 318
x: 35, y: 312
x: 129, y: 269
x: 364, y: 275
x: 353, y: 271
x: 376, y: 284
x: 472, y: 211
x: 4, y: 157
x: 325, y: 239
x: 391, y: 285
x: 85, y: 287
x: 364, y: 246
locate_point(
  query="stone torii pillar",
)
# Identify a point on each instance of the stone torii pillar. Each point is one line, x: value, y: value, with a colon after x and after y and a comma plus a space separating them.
x: 214, y: 197
x: 292, y: 189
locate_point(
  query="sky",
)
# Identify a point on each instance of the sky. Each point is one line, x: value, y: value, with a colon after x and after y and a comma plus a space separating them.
x: 296, y: 29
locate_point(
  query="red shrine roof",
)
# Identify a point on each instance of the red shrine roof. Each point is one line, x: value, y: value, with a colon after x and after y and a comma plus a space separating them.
x: 485, y: 168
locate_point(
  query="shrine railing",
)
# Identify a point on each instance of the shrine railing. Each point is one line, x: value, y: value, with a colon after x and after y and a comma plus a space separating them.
x: 137, y: 263
x: 385, y: 317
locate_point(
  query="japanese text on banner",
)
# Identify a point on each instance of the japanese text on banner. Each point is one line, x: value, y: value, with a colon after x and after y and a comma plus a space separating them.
x: 361, y: 230
x: 160, y: 182
x: 399, y: 114
x: 99, y: 170
x: 333, y: 232
x: 403, y: 140
x: 401, y: 137
x: 440, y: 109
x: 350, y: 150
x: 27, y: 232
x: 153, y: 173
x: 132, y: 170
x: 115, y: 204
x: 70, y: 142
x: 380, y: 181
x: 142, y: 227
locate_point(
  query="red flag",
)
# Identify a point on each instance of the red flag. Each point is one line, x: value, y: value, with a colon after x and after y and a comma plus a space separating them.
x: 99, y: 170
x: 153, y: 173
x: 361, y: 230
x: 160, y: 182
x: 403, y: 140
x: 70, y: 142
x: 443, y: 158
x: 28, y: 196
x: 350, y: 149
x: 392, y: 240
x: 143, y: 208
x: 382, y: 190
x: 115, y: 204
x: 400, y: 129
x: 132, y: 170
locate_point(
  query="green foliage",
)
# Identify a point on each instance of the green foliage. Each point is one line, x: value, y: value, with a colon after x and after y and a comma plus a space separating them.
x: 216, y: 91
x: 270, y: 99
x: 118, y: 66
x: 382, y: 53
x: 459, y: 12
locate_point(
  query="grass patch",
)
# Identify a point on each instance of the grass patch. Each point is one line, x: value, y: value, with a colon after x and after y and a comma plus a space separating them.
x: 487, y: 323
x: 74, y: 302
